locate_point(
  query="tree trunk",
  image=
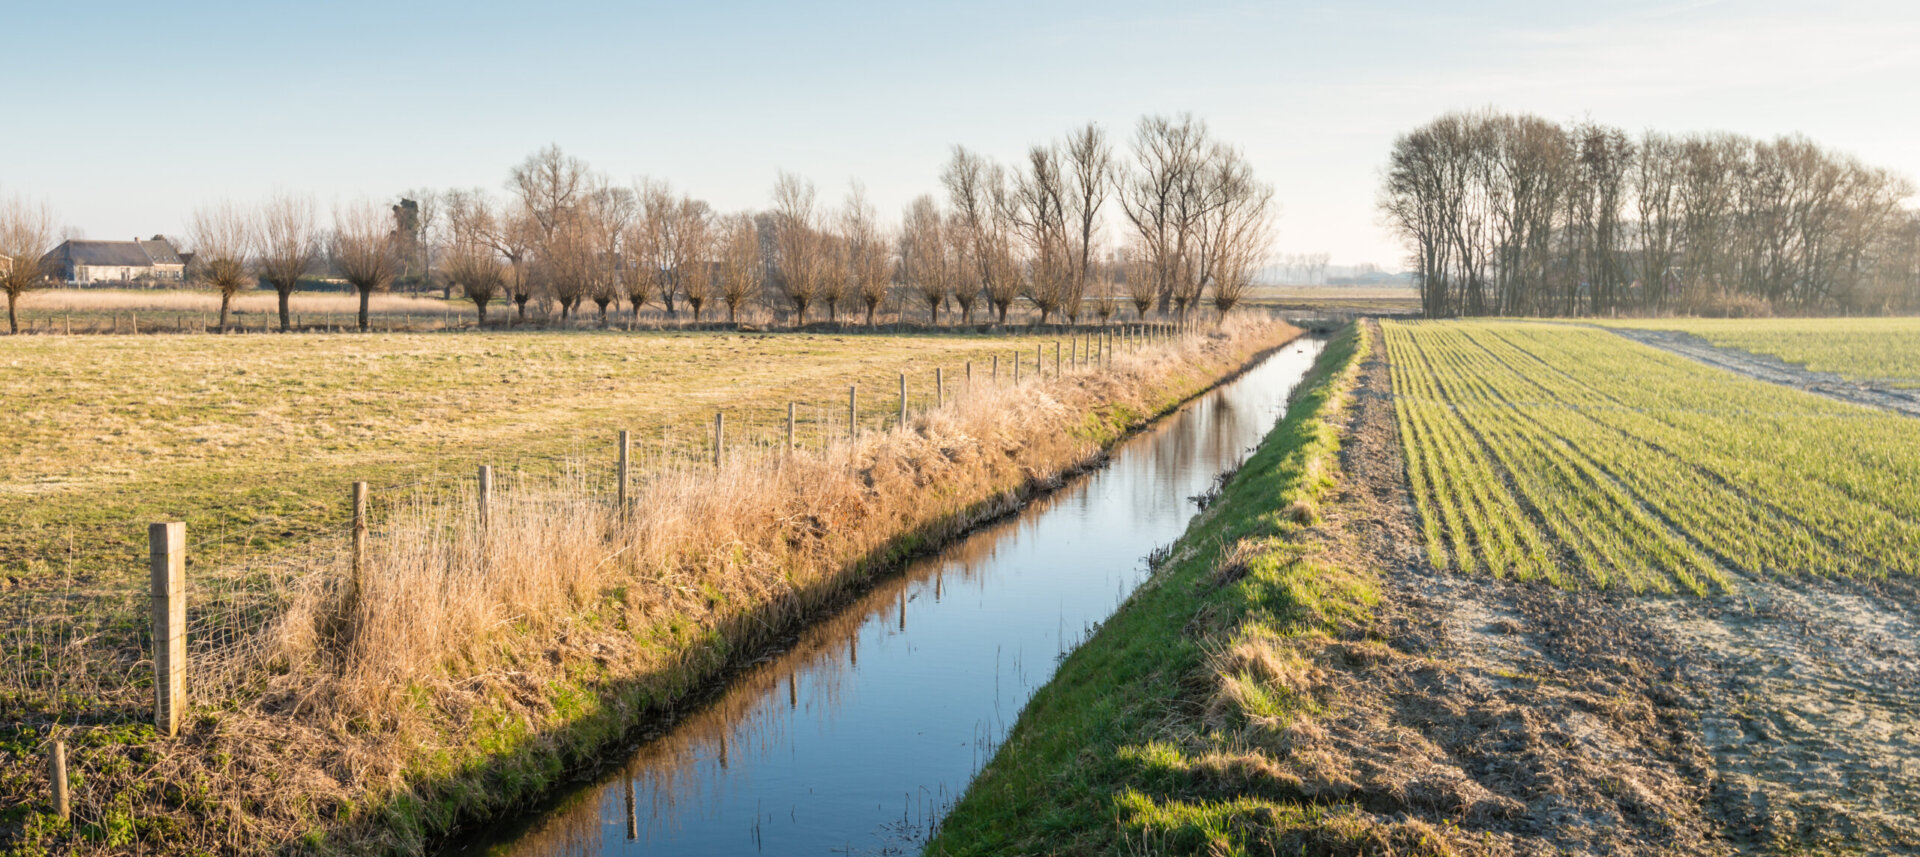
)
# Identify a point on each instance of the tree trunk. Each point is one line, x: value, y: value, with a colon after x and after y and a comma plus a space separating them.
x: 696, y: 309
x: 730, y: 312
x: 366, y: 297
x: 870, y: 309
x: 481, y: 307
x: 13, y: 322
x: 225, y: 299
x: 286, y: 313
x: 933, y: 312
x: 799, y: 314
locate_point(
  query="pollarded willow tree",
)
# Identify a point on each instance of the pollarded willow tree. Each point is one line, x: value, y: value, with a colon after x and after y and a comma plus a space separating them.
x: 223, y: 238
x: 738, y: 266
x: 868, y: 249
x: 289, y: 246
x: 26, y: 237
x: 927, y: 259
x: 364, y: 251
x: 800, y: 264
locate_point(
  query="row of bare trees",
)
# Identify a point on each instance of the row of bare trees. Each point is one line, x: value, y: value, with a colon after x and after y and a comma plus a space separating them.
x: 1194, y: 226
x: 1516, y: 215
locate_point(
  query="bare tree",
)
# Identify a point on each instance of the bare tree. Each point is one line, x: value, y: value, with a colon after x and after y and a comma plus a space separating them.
x: 1164, y: 201
x: 289, y: 247
x: 738, y: 265
x: 926, y: 258
x: 964, y: 274
x: 800, y: 265
x: 364, y: 251
x: 1041, y: 217
x: 549, y: 184
x: 1237, y: 230
x: 223, y: 238
x: 26, y: 237
x: 1143, y: 284
x: 988, y: 211
x: 693, y: 239
x: 1090, y: 170
x: 868, y: 257
x: 473, y: 262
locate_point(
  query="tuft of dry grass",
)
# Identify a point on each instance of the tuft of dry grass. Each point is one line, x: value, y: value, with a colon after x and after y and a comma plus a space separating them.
x: 374, y: 710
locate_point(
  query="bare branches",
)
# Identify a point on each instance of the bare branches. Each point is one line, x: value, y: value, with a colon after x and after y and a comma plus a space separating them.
x: 26, y: 237
x: 1514, y: 214
x: 800, y: 264
x: 223, y: 237
x: 869, y: 257
x: 289, y: 246
x: 364, y: 250
x: 739, y: 267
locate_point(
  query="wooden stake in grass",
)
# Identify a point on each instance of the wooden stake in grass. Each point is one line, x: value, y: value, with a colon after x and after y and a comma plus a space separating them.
x: 853, y: 425
x: 1016, y: 367
x: 167, y: 560
x: 719, y: 437
x: 57, y: 772
x: 1056, y: 358
x: 359, y: 538
x: 903, y: 401
x: 485, y: 494
x: 790, y: 421
x: 996, y: 369
x: 1039, y: 367
x: 939, y: 388
x: 623, y: 472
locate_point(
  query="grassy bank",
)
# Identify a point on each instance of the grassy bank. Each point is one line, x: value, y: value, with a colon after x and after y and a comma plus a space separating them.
x: 1142, y: 740
x: 471, y: 668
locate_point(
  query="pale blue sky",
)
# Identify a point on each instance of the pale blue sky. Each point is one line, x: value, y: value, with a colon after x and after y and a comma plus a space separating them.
x: 125, y: 116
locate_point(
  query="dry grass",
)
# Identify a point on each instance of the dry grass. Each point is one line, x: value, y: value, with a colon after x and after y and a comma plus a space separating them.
x: 373, y: 712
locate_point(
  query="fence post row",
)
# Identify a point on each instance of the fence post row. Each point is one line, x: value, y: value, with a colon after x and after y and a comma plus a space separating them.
x: 167, y: 560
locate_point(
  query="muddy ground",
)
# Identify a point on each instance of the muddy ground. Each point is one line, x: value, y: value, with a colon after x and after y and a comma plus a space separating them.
x: 1777, y: 719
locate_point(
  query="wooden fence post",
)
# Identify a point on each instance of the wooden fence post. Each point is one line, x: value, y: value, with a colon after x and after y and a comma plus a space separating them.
x: 968, y: 385
x: 939, y: 388
x: 719, y: 437
x: 790, y: 421
x: 359, y: 536
x: 996, y: 369
x: 1056, y: 358
x: 485, y: 495
x: 903, y: 401
x: 57, y: 771
x: 1016, y: 367
x: 167, y: 560
x: 1039, y: 366
x: 853, y: 424
x: 623, y: 472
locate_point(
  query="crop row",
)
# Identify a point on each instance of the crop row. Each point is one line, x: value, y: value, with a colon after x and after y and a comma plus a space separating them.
x: 1573, y: 455
x: 1878, y: 350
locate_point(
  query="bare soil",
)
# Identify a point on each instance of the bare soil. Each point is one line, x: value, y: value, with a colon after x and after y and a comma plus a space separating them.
x: 1537, y: 720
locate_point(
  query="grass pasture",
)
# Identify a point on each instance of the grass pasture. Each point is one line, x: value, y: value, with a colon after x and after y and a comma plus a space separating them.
x: 1569, y: 454
x: 1883, y: 351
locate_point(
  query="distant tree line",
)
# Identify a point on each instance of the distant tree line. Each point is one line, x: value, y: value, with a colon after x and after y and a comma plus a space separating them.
x: 1512, y: 214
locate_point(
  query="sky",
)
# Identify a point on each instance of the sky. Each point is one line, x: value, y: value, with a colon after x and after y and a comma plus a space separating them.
x: 125, y: 117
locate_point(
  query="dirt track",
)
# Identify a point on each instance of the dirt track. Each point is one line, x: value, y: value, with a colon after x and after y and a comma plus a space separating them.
x: 1766, y: 367
x: 1781, y: 718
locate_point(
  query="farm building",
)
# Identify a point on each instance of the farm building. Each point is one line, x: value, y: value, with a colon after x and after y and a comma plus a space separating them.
x: 92, y: 262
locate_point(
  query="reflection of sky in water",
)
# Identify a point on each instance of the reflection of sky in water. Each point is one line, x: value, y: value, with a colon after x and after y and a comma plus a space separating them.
x: 860, y: 736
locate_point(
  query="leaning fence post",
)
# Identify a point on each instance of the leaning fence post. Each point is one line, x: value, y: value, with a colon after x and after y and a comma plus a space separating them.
x: 719, y: 436
x: 167, y: 560
x: 623, y: 472
x: 903, y: 400
x: 485, y: 494
x: 57, y: 771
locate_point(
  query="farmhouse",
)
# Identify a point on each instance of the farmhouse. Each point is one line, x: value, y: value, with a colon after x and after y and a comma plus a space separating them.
x: 93, y: 262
